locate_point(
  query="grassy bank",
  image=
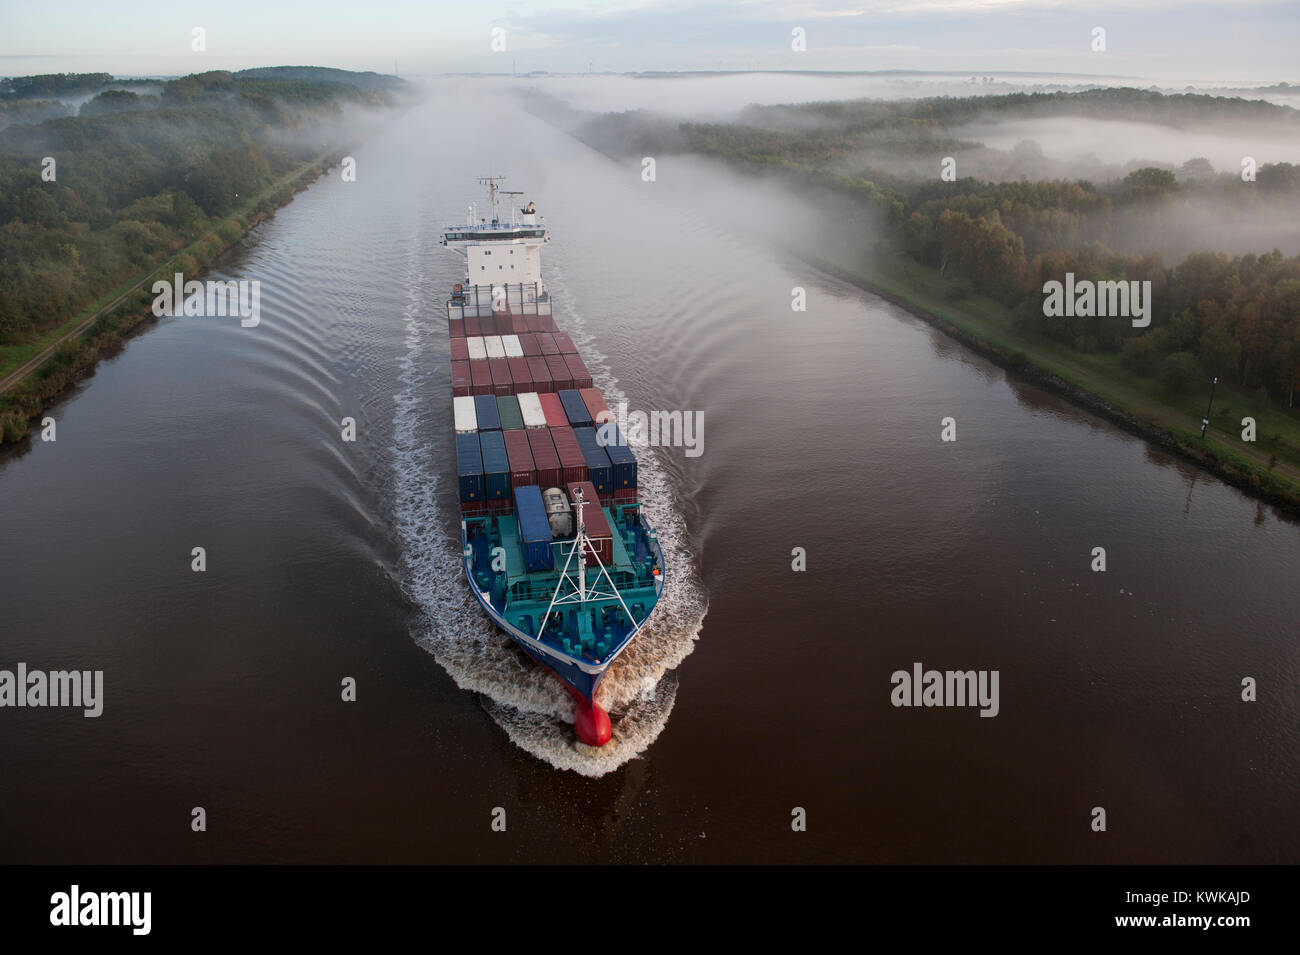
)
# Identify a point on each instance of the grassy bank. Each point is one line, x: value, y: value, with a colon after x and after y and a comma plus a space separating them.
x: 1269, y: 467
x: 28, y: 398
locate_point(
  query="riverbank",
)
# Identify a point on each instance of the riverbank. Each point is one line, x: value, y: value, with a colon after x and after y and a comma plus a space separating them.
x: 37, y: 374
x: 904, y: 284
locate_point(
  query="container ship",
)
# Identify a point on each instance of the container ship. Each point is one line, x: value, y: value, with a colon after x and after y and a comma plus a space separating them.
x: 555, y: 545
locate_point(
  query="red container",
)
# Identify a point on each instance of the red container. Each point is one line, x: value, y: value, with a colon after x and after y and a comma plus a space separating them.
x: 456, y: 327
x: 578, y: 373
x: 565, y: 343
x: 541, y: 374
x: 594, y: 523
x: 528, y: 342
x: 501, y: 384
x: 625, y: 496
x: 473, y: 326
x: 534, y: 323
x: 522, y: 470
x: 547, y: 322
x: 459, y: 349
x: 572, y: 459
x: 554, y: 411
x: 461, y: 380
x: 473, y: 508
x: 481, y: 377
x: 546, y: 342
x: 596, y: 406
x: 518, y: 325
x: 520, y: 375
x: 545, y: 459
x: 560, y: 373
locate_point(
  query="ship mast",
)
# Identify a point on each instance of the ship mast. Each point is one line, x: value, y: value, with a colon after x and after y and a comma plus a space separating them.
x: 493, y: 184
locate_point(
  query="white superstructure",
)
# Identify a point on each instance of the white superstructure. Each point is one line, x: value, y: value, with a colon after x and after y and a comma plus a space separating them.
x: 503, y: 259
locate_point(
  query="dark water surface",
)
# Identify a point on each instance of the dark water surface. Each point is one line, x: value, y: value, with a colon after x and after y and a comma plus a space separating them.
x: 761, y: 689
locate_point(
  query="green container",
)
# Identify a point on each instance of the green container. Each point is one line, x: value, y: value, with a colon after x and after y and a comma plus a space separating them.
x: 511, y: 416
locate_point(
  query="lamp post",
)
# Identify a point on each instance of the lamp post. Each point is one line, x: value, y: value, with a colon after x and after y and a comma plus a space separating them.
x: 1205, y: 422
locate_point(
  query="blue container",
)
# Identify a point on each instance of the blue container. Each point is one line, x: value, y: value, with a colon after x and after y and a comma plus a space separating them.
x: 575, y: 409
x: 621, y: 459
x: 599, y: 470
x: 496, y: 466
x: 489, y: 419
x: 469, y: 468
x: 534, y: 528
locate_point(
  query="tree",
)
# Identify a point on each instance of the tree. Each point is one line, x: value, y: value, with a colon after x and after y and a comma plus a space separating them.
x: 1179, y: 372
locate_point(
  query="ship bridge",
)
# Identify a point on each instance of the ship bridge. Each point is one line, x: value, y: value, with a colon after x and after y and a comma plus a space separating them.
x: 503, y: 258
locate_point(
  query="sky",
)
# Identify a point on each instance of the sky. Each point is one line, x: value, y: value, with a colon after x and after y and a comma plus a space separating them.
x: 1253, y: 41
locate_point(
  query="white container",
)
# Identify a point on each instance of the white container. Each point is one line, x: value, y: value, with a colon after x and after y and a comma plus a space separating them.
x: 513, y: 348
x: 530, y: 406
x: 464, y: 414
x: 495, y: 348
x: 477, y: 350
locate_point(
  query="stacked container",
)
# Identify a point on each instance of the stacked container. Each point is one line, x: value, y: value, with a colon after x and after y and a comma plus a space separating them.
x: 462, y: 412
x: 508, y: 408
x: 500, y: 371
x: 520, y: 455
x: 496, y: 471
x: 461, y: 381
x: 530, y: 406
x: 545, y: 459
x: 622, y: 462
x: 485, y: 409
x: 559, y: 372
x: 594, y: 523
x: 572, y: 459
x: 599, y: 469
x: 540, y: 374
x: 575, y: 409
x: 469, y: 471
x: 595, y: 403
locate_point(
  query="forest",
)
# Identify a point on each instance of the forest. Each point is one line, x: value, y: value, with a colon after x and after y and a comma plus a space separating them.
x: 1215, y: 313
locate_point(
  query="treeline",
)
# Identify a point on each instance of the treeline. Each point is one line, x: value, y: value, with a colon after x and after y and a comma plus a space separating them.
x: 1213, y: 314
x: 135, y: 178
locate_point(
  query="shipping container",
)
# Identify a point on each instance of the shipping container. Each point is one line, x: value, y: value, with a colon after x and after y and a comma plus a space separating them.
x: 495, y: 347
x: 559, y: 372
x: 482, y: 378
x: 572, y: 460
x: 529, y: 344
x: 575, y: 409
x: 578, y: 371
x: 547, y: 462
x: 548, y: 323
x: 496, y: 468
x: 461, y: 380
x: 473, y: 326
x: 595, y: 524
x: 485, y: 407
x: 595, y: 402
x: 546, y: 342
x: 599, y: 470
x: 530, y: 406
x: 469, y: 468
x: 535, y: 323
x: 564, y: 343
x: 462, y: 413
x: 518, y: 326
x: 520, y: 455
x: 624, y: 496
x: 456, y: 327
x: 508, y: 408
x: 460, y: 349
x: 520, y: 376
x: 540, y: 373
x: 501, y: 383
x: 622, y: 460
x: 534, y: 528
x: 477, y: 349
x: 512, y: 346
x: 554, y: 410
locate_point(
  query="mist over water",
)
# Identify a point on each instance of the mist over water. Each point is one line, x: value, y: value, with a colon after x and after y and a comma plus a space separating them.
x: 755, y: 690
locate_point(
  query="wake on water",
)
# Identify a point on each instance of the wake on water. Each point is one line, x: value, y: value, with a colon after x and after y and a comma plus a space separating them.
x: 529, y: 704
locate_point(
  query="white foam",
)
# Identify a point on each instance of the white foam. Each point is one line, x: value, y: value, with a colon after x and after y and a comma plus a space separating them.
x: 529, y: 704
